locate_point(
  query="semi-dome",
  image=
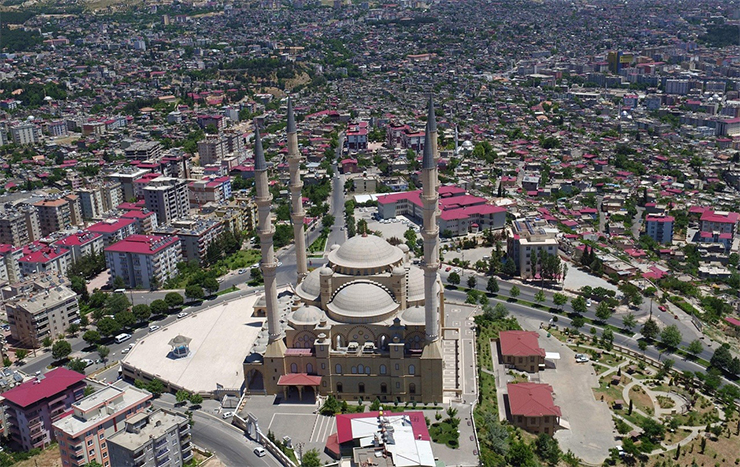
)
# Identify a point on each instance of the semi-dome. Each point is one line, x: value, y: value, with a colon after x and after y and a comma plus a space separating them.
x: 310, y: 288
x: 325, y: 271
x: 361, y: 302
x: 306, y: 314
x: 414, y: 315
x: 415, y: 285
x: 365, y: 252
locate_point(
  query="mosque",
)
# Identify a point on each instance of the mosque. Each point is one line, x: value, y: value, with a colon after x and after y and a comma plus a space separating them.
x: 366, y: 325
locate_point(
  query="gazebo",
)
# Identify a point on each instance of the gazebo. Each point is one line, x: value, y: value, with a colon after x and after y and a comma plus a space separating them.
x: 180, y: 346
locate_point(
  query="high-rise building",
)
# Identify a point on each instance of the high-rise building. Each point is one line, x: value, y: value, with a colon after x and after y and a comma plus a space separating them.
x: 660, y: 228
x: 367, y: 324
x: 10, y: 270
x: 144, y: 260
x: 32, y: 407
x: 91, y: 202
x: 25, y: 133
x: 156, y: 439
x: 83, y: 434
x: 214, y: 148
x: 13, y: 228
x: 168, y: 197
x: 526, y: 238
x: 54, y: 215
x: 41, y: 310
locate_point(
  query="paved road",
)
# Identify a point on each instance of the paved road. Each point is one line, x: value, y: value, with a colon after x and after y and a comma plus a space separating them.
x: 214, y: 434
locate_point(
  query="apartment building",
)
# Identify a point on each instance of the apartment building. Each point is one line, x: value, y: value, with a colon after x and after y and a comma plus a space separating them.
x: 660, y: 228
x: 41, y: 309
x: 126, y: 178
x: 91, y: 202
x: 75, y: 209
x: 168, y: 198
x: 82, y: 243
x: 54, y: 215
x: 112, y: 193
x: 40, y: 257
x: 143, y: 150
x: 526, y: 237
x: 214, y: 148
x: 145, y: 221
x: 13, y: 227
x: 157, y: 439
x: 25, y: 133
x: 209, y: 190
x: 195, y: 235
x: 83, y: 434
x: 32, y: 407
x: 114, y: 230
x: 10, y: 270
x: 144, y: 261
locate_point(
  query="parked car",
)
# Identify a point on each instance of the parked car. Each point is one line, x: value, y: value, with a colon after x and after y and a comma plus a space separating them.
x: 259, y: 451
x: 242, y: 271
x: 662, y: 308
x: 153, y: 328
x: 88, y: 362
x: 588, y: 302
x: 226, y: 415
x: 182, y: 314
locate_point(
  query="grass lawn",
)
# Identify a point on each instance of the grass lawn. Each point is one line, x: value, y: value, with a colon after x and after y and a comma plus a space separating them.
x: 721, y: 451
x: 318, y: 245
x: 240, y: 259
x: 445, y: 433
x: 665, y: 402
x: 641, y: 400
x: 700, y: 414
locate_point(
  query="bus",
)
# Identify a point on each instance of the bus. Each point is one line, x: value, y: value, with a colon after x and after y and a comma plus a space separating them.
x: 122, y: 337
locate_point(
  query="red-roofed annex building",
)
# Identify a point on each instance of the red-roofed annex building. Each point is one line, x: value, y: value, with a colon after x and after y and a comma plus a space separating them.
x: 531, y: 407
x: 521, y: 350
x: 144, y: 260
x: 32, y: 407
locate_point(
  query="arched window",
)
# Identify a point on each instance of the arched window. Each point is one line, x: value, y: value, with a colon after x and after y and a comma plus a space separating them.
x: 309, y: 368
x: 339, y: 387
x: 412, y: 388
x: 340, y: 341
x: 293, y: 368
x: 360, y: 369
x: 367, y: 370
x: 361, y: 388
x: 383, y: 369
x: 412, y: 370
x: 338, y: 369
x: 354, y: 370
x: 383, y: 388
x: 383, y: 342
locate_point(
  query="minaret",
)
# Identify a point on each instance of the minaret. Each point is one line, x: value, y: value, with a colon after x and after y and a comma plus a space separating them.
x: 297, y: 214
x: 430, y: 230
x: 266, y: 230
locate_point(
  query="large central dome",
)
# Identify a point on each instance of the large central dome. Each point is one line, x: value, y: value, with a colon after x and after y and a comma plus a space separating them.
x: 365, y: 252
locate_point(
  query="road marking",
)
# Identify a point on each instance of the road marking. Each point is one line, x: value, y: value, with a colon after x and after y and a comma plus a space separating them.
x: 314, y: 427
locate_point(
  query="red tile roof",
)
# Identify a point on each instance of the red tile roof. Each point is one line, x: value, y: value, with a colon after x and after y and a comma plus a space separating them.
x: 299, y: 379
x: 520, y: 343
x: 723, y: 218
x: 143, y: 244
x: 344, y: 424
x: 54, y: 382
x: 531, y: 400
x: 733, y: 321
x: 110, y: 225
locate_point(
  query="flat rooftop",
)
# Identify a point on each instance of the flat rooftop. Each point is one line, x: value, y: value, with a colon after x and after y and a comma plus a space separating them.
x: 133, y: 440
x: 221, y: 337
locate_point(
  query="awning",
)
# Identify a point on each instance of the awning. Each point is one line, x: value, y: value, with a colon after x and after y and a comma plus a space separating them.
x: 552, y: 355
x: 299, y: 379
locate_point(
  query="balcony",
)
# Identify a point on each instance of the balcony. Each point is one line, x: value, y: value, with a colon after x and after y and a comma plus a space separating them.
x: 140, y: 457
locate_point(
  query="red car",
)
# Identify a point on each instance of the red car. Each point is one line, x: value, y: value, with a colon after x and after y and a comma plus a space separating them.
x: 662, y: 308
x: 448, y: 269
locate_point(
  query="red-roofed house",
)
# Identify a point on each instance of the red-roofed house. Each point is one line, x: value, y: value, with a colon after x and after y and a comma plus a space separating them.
x: 531, y: 407
x: 82, y: 243
x: 521, y: 349
x: 33, y: 406
x: 143, y: 260
x: 459, y: 212
x: 39, y: 257
x: 719, y: 221
x: 114, y: 230
x: 145, y: 221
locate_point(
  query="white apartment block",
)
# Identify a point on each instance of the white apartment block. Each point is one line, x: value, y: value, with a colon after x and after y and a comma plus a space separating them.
x: 168, y: 197
x: 526, y: 237
x: 144, y: 261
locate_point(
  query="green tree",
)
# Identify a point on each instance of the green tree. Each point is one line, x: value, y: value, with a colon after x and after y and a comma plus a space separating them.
x: 108, y: 326
x: 311, y: 459
x: 125, y: 319
x: 539, y: 297
x: 92, y: 337
x: 472, y: 282
x: 20, y: 354
x: 671, y: 337
x: 548, y: 449
x: 174, y: 300
x: 182, y: 396
x: 629, y: 321
x: 653, y: 429
x: 47, y: 342
x: 118, y: 283
x: 77, y: 365
x: 509, y: 267
x: 579, y: 305
x: 650, y: 329
x: 603, y: 311
x: 97, y: 299
x: 514, y: 292
x: 521, y: 455
x: 578, y: 322
x: 156, y: 387
x: 559, y: 300
x: 194, y: 292
x: 103, y: 352
x: 117, y: 303
x: 73, y: 329
x: 159, y: 306
x: 721, y: 358
x: 196, y: 399
x: 79, y: 286
x: 141, y: 312
x: 492, y: 285
x: 61, y: 349
x: 453, y: 278
x: 211, y: 285
x: 695, y: 347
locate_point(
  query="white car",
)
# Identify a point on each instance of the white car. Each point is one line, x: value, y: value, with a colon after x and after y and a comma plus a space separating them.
x: 259, y: 451
x: 242, y: 271
x: 226, y: 415
x: 182, y: 315
x: 88, y: 362
x: 588, y: 302
x: 153, y: 328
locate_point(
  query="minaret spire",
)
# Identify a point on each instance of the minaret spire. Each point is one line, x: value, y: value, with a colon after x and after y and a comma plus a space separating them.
x: 430, y: 230
x: 297, y: 214
x: 266, y: 230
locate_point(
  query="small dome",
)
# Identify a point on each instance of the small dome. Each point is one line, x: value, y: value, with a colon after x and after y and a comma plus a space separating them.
x: 399, y: 271
x: 334, y: 247
x: 326, y: 271
x: 365, y: 252
x: 310, y: 288
x: 403, y: 247
x: 306, y: 314
x: 361, y: 302
x: 414, y: 315
x: 415, y: 284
